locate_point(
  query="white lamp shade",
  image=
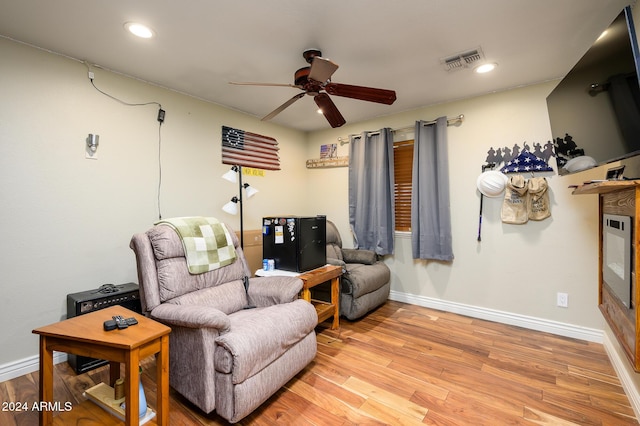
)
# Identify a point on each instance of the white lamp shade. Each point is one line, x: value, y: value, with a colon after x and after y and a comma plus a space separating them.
x: 231, y: 176
x: 231, y: 207
x: 251, y: 191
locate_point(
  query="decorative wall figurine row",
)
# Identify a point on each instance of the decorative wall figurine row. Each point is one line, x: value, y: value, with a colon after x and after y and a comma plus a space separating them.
x: 563, y: 149
x: 570, y: 158
x: 506, y: 154
x: 567, y: 148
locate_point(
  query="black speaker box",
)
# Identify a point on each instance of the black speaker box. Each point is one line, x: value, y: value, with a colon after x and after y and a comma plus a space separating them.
x: 126, y: 295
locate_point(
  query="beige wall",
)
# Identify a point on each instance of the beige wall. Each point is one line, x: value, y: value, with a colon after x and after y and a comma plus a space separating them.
x: 516, y: 268
x: 66, y: 221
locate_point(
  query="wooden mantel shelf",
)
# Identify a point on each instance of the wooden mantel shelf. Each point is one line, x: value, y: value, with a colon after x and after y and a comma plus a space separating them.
x: 603, y: 187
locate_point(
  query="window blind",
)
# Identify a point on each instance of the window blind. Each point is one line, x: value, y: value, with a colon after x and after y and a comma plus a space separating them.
x: 403, y: 166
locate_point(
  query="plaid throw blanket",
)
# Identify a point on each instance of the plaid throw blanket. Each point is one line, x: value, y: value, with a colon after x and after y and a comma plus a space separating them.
x: 207, y: 243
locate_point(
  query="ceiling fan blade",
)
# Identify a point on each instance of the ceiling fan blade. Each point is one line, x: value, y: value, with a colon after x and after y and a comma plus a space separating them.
x: 282, y: 107
x: 322, y: 69
x: 329, y: 110
x: 382, y: 96
x: 251, y: 83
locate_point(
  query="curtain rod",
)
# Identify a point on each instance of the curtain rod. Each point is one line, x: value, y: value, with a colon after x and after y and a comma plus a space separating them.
x: 450, y: 122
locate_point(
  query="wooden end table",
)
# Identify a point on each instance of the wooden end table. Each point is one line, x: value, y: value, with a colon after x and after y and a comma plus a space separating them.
x: 84, y: 335
x: 311, y: 279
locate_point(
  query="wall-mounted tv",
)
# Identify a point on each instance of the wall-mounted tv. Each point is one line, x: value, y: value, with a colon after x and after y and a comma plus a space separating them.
x: 595, y: 109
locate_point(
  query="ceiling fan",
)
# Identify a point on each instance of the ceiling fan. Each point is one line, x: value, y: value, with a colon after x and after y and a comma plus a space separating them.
x: 315, y: 80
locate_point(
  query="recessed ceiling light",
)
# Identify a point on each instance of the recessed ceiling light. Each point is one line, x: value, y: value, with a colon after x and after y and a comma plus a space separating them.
x: 485, y: 68
x: 139, y: 30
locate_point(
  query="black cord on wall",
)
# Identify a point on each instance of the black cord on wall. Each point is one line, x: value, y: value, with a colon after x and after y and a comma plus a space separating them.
x: 160, y: 118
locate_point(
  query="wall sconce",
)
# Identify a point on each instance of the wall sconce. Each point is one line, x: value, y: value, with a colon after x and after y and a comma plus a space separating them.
x: 92, y: 146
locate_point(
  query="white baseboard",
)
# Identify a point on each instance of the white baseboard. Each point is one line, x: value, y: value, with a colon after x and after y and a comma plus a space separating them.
x: 14, y: 369
x: 532, y: 323
x: 620, y: 366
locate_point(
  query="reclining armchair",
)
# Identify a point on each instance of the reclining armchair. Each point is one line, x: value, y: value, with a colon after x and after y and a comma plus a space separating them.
x: 233, y: 342
x: 366, y: 280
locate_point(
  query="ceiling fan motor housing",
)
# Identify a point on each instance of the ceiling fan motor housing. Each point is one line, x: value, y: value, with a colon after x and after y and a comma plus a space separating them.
x: 301, y: 79
x: 309, y: 54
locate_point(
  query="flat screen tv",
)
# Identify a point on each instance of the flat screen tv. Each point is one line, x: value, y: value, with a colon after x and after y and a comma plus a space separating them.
x: 595, y: 109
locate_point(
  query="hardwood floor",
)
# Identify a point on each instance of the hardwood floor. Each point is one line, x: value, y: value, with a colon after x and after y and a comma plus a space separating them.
x: 400, y: 365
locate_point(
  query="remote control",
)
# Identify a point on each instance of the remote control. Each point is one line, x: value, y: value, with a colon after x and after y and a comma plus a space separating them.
x: 120, y: 321
x: 109, y: 325
x: 131, y: 321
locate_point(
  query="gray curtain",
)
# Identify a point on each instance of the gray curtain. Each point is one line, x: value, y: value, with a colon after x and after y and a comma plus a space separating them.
x: 430, y: 206
x: 371, y: 199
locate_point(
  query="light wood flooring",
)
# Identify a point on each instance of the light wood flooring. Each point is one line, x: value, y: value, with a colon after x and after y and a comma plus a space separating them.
x: 400, y: 365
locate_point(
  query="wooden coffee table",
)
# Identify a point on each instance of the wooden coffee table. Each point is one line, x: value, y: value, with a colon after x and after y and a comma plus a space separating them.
x: 84, y: 335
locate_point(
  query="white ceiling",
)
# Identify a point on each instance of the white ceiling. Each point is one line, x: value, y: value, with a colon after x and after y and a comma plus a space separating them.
x: 201, y: 45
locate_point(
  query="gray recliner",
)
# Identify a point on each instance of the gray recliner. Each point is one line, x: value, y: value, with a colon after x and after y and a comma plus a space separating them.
x: 366, y: 280
x: 222, y: 356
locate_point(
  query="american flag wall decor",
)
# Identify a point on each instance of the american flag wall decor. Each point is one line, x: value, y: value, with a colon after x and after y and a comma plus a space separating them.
x: 249, y: 149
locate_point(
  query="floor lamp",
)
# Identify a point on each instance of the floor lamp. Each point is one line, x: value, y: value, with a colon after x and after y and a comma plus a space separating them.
x: 235, y: 175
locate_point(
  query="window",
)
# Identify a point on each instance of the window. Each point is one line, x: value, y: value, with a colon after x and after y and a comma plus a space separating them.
x: 403, y: 168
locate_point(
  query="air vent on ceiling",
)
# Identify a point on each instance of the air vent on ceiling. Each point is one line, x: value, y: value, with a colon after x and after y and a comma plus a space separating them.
x: 462, y: 60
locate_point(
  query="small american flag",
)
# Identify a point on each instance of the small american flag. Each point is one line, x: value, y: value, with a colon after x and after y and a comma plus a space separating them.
x: 249, y: 149
x: 526, y: 162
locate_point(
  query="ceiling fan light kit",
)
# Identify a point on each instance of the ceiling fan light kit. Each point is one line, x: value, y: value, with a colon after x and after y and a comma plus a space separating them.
x: 315, y: 80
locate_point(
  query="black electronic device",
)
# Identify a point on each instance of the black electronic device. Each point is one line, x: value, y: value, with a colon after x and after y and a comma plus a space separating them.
x: 295, y: 243
x: 126, y: 295
x: 595, y: 110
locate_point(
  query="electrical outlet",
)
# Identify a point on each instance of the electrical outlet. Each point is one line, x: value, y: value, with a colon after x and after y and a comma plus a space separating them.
x: 563, y: 300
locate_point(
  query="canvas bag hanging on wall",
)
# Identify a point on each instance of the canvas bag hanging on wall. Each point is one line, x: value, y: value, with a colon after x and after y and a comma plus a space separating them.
x: 538, y: 198
x: 515, y: 208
